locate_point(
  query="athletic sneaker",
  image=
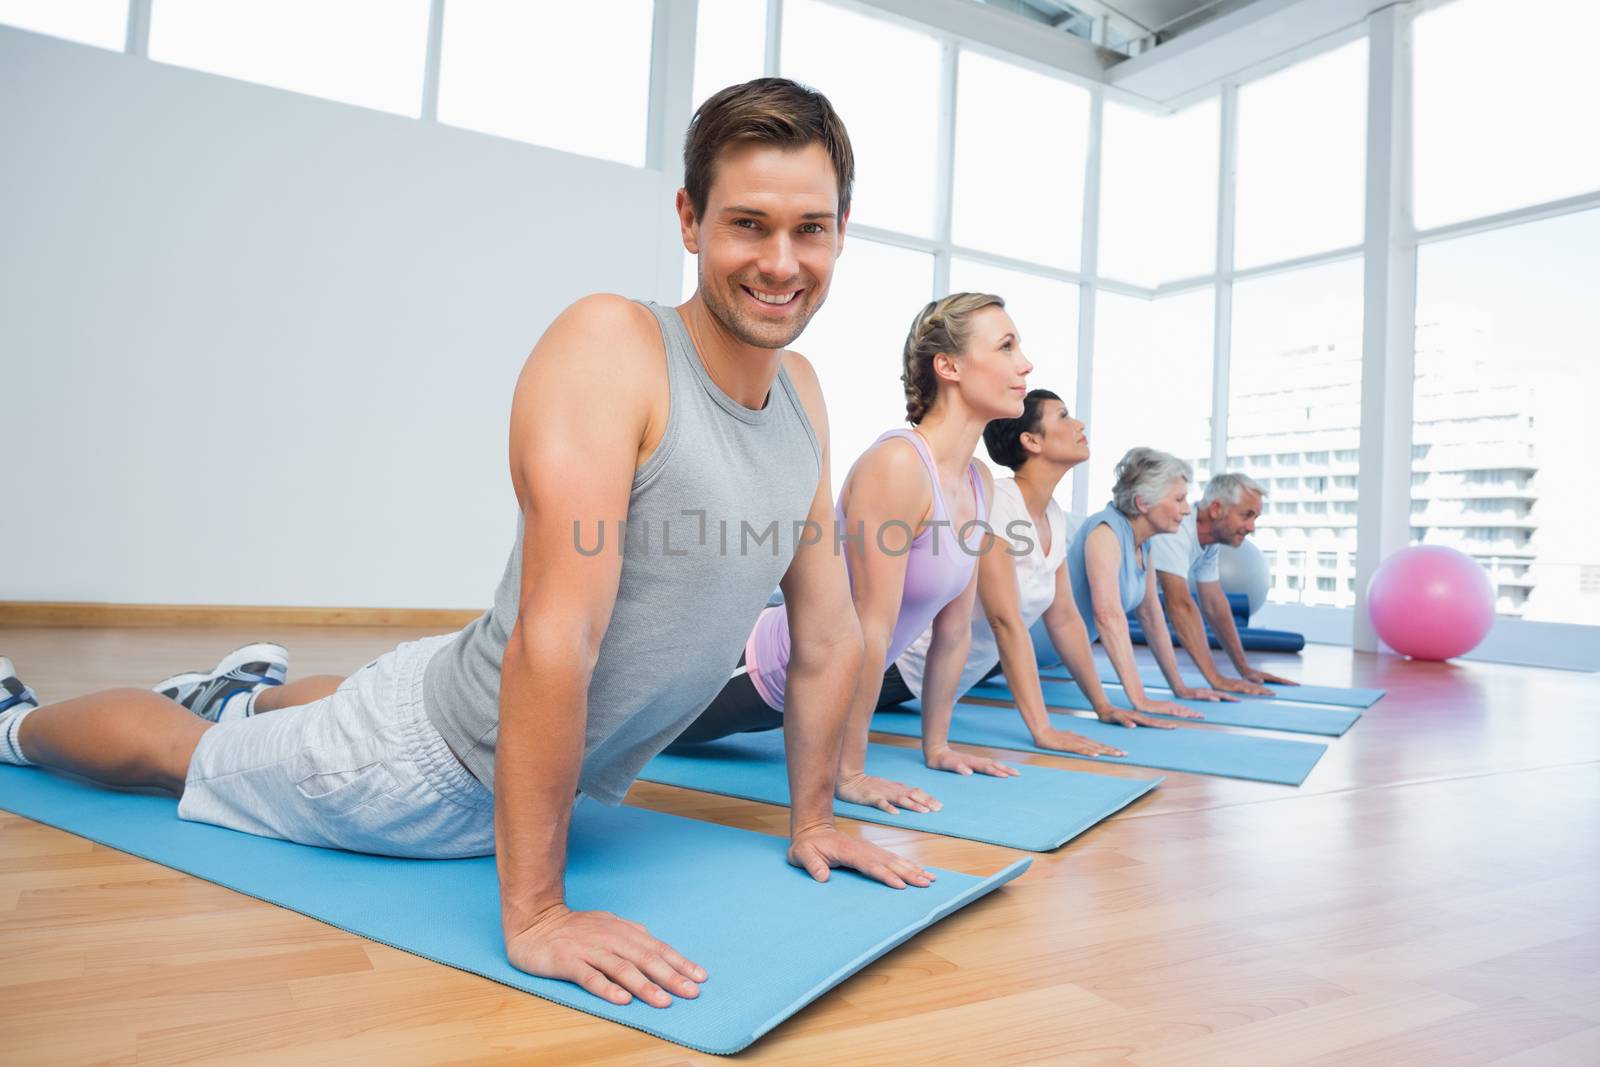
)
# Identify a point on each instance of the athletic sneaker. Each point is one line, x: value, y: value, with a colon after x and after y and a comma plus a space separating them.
x: 12, y: 691
x: 244, y: 670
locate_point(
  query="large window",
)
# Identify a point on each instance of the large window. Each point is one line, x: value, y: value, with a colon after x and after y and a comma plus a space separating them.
x: 883, y: 79
x: 1021, y: 143
x: 1505, y: 438
x: 1158, y: 193
x: 102, y: 23
x: 569, y: 76
x: 1152, y: 382
x: 1507, y: 354
x: 730, y: 41
x: 1294, y: 418
x: 1046, y: 314
x: 366, y: 52
x: 1301, y: 159
x: 856, y: 340
x: 1498, y: 133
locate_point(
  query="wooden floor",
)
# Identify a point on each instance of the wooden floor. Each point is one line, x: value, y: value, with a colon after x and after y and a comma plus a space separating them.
x: 1430, y: 896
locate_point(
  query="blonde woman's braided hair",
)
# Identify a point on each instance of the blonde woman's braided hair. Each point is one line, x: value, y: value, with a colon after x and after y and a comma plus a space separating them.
x: 942, y: 326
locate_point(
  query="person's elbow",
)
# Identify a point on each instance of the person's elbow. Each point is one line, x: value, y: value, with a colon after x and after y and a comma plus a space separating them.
x: 1005, y: 623
x: 560, y: 655
x: 951, y: 641
x: 1108, y: 617
x: 840, y: 649
x: 1181, y: 606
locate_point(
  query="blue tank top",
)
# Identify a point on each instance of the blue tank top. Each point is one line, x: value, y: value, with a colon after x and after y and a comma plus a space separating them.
x: 1130, y: 574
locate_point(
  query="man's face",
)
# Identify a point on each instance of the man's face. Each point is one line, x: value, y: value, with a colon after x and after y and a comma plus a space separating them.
x: 1239, y: 521
x: 767, y: 243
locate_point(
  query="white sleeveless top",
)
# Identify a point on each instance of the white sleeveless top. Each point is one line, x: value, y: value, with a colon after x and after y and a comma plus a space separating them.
x: 1036, y: 585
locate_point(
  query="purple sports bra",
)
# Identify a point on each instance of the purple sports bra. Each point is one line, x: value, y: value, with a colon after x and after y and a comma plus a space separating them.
x: 938, y: 568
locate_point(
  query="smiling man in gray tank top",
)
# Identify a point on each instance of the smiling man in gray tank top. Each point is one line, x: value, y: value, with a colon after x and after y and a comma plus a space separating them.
x: 670, y: 467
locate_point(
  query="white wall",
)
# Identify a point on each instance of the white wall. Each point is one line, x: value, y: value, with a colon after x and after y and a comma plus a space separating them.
x: 1538, y: 644
x: 258, y: 348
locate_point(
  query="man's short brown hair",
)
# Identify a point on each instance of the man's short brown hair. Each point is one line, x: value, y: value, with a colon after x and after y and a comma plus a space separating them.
x: 770, y: 111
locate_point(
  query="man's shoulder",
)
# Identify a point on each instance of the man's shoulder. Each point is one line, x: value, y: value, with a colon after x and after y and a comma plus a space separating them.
x: 604, y: 339
x: 608, y: 316
x: 1175, y: 553
x: 601, y: 348
x: 1187, y: 534
x: 797, y: 366
x: 803, y: 376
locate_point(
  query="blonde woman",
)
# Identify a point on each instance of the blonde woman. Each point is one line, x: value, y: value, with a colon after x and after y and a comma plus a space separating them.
x: 1022, y: 577
x: 911, y: 520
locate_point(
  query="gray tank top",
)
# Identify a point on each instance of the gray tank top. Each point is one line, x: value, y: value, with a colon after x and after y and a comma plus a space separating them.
x: 713, y: 519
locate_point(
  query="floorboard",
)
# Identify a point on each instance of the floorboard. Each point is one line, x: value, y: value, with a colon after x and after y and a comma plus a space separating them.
x: 1427, y: 896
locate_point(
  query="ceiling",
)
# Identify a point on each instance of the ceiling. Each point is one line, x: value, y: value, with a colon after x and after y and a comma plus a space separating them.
x: 1152, y: 15
x: 1126, y: 26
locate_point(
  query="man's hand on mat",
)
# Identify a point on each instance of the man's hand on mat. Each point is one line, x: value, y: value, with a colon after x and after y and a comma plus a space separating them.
x: 613, y: 958
x: 1240, y: 685
x: 881, y: 793
x: 945, y: 758
x: 1066, y: 741
x: 1193, y: 692
x: 1124, y: 717
x: 1262, y: 678
x: 817, y: 851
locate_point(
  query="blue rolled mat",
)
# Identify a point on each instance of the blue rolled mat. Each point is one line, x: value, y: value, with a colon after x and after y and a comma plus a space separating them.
x: 1300, y: 694
x: 1238, y: 607
x: 1260, y: 714
x: 1261, y: 759
x: 1257, y: 639
x: 770, y: 939
x: 1252, y: 638
x: 1038, y: 810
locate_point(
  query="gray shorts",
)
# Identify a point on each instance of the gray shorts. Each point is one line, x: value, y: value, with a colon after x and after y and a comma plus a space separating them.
x: 362, y: 770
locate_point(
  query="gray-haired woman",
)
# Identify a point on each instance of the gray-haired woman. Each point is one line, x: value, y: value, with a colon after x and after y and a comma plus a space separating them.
x: 1110, y: 575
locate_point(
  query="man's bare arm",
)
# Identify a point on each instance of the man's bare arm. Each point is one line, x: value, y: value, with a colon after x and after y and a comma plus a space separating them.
x: 824, y: 663
x: 569, y: 466
x: 1214, y: 602
x: 1185, y: 616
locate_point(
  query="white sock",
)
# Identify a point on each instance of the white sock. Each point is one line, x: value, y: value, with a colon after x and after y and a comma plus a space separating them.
x: 10, y: 746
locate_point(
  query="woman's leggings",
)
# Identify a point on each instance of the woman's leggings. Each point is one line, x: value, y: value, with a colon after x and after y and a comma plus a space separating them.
x: 739, y: 709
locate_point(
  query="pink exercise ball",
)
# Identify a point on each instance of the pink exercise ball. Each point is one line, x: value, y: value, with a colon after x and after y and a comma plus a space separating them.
x: 1431, y: 602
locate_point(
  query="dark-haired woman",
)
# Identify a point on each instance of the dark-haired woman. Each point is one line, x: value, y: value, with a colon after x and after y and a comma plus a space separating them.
x: 1024, y: 577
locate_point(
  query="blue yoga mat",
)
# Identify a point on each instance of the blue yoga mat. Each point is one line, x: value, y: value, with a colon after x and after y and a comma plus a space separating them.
x: 1038, y: 810
x: 1261, y: 759
x: 1301, y: 694
x: 770, y: 939
x: 1261, y: 714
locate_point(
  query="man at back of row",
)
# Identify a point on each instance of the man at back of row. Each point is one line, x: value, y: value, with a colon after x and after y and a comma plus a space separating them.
x: 1226, y: 516
x: 694, y: 427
